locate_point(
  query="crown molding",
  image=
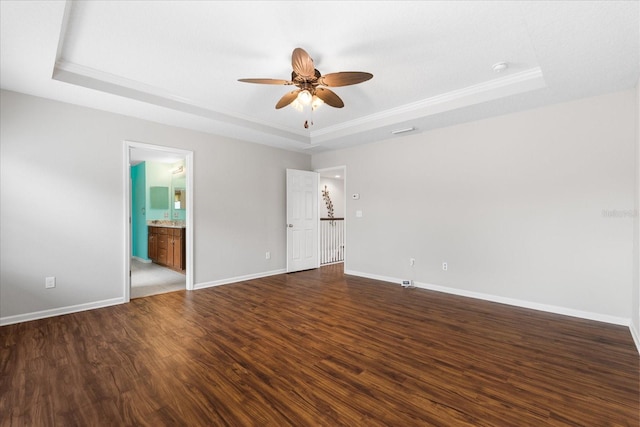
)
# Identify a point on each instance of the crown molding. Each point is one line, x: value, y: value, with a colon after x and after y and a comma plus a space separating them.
x: 513, y: 84
x: 90, y: 78
x: 524, y: 81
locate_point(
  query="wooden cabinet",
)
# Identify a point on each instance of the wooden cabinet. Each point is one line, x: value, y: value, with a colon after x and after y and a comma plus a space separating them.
x: 152, y: 245
x: 178, y: 248
x: 167, y: 246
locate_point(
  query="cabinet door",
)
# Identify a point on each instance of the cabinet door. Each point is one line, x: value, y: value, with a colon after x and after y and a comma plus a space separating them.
x: 178, y: 252
x: 163, y: 244
x: 152, y: 245
x: 170, y: 251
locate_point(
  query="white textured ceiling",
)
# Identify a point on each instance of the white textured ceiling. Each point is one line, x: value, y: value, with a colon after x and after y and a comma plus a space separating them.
x: 177, y: 62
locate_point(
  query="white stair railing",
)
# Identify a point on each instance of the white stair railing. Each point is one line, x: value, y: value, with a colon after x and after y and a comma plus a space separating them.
x: 331, y: 240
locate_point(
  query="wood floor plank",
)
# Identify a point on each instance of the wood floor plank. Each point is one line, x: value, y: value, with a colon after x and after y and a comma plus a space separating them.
x: 317, y: 348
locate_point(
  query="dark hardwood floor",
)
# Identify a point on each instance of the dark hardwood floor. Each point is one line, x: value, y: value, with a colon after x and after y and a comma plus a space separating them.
x: 317, y: 348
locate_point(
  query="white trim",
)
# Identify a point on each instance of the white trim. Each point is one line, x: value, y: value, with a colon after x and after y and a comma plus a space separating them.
x: 509, y: 85
x: 528, y: 304
x: 234, y: 280
x: 188, y: 155
x: 615, y: 320
x: 126, y: 191
x: 635, y: 335
x: 373, y: 276
x: 145, y: 261
x: 9, y: 320
x: 26, y: 317
x: 513, y: 84
x: 189, y: 231
x: 80, y: 75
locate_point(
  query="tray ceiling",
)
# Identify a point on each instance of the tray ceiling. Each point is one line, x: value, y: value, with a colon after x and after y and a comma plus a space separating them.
x: 178, y: 62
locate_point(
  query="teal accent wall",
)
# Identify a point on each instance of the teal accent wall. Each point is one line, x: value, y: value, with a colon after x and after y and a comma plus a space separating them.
x: 138, y: 211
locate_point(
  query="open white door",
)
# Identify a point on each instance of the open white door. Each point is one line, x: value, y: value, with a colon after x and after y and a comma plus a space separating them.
x: 302, y: 220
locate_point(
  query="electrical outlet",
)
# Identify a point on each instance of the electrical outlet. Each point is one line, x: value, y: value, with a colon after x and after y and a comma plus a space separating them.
x: 50, y: 282
x: 267, y: 255
x: 445, y: 266
x: 412, y: 262
x: 407, y: 283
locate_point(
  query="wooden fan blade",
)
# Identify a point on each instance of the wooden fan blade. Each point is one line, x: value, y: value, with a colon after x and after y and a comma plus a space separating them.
x: 344, y: 78
x: 266, y: 81
x: 302, y: 63
x: 329, y: 97
x: 287, y: 99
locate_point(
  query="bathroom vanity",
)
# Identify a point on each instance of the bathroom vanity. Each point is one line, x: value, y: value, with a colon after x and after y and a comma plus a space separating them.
x: 167, y: 246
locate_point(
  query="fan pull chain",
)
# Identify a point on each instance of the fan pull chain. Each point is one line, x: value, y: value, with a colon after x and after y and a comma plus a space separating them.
x: 309, y: 121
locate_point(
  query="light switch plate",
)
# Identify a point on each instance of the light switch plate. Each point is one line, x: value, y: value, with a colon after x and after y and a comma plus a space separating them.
x: 50, y: 282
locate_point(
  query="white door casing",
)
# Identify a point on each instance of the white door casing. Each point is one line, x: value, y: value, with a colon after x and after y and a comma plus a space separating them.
x: 188, y: 156
x: 302, y: 220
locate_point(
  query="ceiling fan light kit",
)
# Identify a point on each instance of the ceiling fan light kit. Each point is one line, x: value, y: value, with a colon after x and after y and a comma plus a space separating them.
x: 305, y: 97
x: 311, y: 85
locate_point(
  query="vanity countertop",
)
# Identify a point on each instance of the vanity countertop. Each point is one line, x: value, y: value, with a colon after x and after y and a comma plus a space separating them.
x: 166, y: 223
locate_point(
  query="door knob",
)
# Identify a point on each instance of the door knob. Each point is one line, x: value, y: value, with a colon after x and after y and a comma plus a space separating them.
x: 290, y: 225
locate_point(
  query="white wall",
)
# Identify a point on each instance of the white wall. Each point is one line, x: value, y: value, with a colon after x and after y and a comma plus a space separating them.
x: 61, y: 204
x: 533, y: 208
x: 514, y: 204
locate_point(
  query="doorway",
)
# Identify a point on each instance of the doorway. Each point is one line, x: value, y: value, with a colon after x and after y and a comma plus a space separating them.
x: 158, y: 205
x: 332, y: 215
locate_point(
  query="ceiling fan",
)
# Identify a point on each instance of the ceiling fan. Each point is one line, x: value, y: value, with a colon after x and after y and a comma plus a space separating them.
x: 311, y: 84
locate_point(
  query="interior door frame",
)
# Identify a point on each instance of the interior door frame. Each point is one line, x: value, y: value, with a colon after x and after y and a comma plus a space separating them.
x: 188, y: 155
x: 343, y: 169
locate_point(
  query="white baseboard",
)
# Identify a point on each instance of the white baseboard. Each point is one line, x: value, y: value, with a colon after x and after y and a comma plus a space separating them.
x: 237, y: 279
x: 373, y: 276
x: 635, y: 335
x: 503, y: 300
x: 137, y: 258
x: 9, y: 320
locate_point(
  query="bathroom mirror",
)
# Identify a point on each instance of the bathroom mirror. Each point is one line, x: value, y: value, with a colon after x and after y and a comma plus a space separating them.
x: 179, y: 199
x: 159, y: 197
